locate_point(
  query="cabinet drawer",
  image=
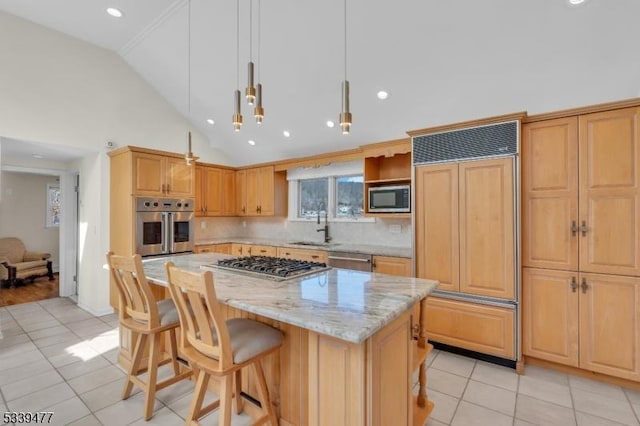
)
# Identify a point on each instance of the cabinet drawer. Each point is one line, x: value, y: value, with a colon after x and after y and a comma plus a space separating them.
x: 263, y: 251
x: 480, y: 328
x: 302, y: 254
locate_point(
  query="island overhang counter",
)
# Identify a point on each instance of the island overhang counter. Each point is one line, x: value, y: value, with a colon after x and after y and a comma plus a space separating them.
x: 352, y: 340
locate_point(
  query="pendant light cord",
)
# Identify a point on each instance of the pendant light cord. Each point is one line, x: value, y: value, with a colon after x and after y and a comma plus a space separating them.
x: 345, y: 39
x: 189, y: 60
x: 238, y: 44
x: 251, y: 30
x: 259, y: 33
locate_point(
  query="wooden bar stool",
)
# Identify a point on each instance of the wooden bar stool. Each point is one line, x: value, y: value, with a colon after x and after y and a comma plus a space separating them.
x: 220, y: 348
x: 140, y: 313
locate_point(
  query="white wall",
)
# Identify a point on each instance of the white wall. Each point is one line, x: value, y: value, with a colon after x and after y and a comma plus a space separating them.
x: 23, y: 209
x: 58, y: 90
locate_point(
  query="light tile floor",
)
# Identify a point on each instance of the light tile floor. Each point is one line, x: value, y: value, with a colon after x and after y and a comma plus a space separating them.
x: 56, y: 357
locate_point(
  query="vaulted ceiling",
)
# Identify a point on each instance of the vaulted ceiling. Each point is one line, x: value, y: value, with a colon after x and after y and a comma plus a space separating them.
x: 440, y: 61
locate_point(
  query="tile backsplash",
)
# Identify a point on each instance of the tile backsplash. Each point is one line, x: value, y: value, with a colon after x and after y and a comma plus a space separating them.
x: 387, y: 232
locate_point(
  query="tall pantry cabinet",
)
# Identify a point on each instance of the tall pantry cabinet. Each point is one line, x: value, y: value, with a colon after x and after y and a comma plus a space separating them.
x: 581, y: 245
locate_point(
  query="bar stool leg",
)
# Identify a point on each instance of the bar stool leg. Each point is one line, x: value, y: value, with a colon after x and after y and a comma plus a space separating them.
x: 196, y: 402
x: 173, y: 347
x: 263, y: 393
x: 226, y: 389
x: 135, y: 365
x: 152, y: 379
x: 238, y: 389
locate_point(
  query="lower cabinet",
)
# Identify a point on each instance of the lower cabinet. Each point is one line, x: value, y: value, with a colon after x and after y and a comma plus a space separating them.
x: 213, y: 248
x: 399, y: 266
x: 303, y: 254
x: 589, y: 321
x: 481, y: 328
x: 252, y: 250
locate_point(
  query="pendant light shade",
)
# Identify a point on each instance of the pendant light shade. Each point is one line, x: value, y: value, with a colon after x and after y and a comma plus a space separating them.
x: 250, y: 91
x: 345, y: 115
x: 258, y: 111
x: 237, y: 116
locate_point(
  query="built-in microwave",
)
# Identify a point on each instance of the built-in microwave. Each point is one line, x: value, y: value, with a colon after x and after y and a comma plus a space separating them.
x: 390, y: 199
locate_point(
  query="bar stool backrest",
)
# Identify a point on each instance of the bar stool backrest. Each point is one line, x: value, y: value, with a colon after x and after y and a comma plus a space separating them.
x: 205, y: 330
x: 136, y: 299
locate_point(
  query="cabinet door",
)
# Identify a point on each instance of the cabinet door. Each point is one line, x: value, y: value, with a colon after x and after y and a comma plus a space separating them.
x: 550, y: 194
x: 609, y: 325
x: 252, y: 192
x: 148, y: 174
x: 212, y: 178
x: 437, y: 246
x: 228, y: 193
x: 200, y: 192
x: 487, y: 228
x: 550, y: 315
x: 180, y: 178
x: 302, y: 254
x: 240, y: 249
x: 266, y: 191
x: 398, y: 266
x: 241, y: 193
x: 609, y: 205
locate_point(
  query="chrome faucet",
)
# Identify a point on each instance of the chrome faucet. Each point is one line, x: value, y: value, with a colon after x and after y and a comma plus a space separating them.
x: 324, y: 229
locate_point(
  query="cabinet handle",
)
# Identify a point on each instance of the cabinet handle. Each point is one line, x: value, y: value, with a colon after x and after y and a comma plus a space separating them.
x: 584, y: 228
x: 314, y: 256
x: 287, y: 254
x: 574, y: 228
x: 584, y: 286
x: 163, y: 191
x: 574, y: 284
x: 168, y: 190
x: 243, y: 209
x: 263, y: 251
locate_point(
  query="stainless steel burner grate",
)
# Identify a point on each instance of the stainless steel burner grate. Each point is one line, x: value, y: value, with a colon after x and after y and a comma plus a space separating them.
x: 270, y: 267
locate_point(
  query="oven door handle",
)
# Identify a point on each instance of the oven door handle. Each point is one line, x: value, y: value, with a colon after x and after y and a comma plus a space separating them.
x: 354, y: 259
x: 170, y: 236
x: 165, y: 232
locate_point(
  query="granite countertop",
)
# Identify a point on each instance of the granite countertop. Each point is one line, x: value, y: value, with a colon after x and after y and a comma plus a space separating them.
x: 406, y: 252
x: 342, y: 303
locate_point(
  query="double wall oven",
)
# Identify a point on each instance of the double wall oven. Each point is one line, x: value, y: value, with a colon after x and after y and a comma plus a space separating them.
x: 164, y: 226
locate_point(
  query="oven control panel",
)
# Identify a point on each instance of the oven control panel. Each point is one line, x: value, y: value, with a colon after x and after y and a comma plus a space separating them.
x: 145, y: 204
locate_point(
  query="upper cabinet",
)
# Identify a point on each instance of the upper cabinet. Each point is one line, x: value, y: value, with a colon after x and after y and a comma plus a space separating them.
x: 387, y: 164
x: 581, y: 197
x: 161, y: 175
x: 215, y: 191
x: 261, y: 191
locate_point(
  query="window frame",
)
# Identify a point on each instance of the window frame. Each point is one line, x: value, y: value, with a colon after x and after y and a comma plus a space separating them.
x: 331, y: 173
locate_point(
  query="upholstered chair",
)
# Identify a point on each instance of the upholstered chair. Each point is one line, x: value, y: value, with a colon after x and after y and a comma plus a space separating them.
x: 17, y: 263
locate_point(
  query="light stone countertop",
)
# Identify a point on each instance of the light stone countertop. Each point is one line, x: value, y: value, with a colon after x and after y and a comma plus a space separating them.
x: 342, y: 303
x: 405, y: 252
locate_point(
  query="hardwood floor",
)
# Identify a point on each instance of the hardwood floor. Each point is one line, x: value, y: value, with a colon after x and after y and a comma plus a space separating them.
x: 40, y: 289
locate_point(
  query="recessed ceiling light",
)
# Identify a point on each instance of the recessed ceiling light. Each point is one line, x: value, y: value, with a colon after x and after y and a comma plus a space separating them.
x: 330, y: 123
x: 576, y: 2
x: 286, y: 133
x: 37, y: 156
x: 251, y: 142
x: 116, y: 13
x: 211, y: 121
x: 383, y: 95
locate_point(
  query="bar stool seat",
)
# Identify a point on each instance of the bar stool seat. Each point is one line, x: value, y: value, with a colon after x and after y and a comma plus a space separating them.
x: 215, y: 347
x: 140, y: 313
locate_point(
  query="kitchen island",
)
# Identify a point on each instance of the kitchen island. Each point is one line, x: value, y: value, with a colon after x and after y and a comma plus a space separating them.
x: 349, y: 352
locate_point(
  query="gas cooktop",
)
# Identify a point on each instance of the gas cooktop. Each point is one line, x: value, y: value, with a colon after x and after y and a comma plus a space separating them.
x: 274, y: 268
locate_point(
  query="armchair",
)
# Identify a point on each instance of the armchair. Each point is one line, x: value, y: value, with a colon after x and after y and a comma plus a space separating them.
x: 16, y: 263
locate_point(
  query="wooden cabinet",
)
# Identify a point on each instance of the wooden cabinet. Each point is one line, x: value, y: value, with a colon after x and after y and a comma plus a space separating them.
x: 481, y: 328
x: 215, y: 191
x: 399, y: 266
x: 163, y: 176
x: 386, y: 163
x: 213, y: 248
x: 252, y: 250
x: 465, y: 226
x: 261, y: 191
x: 609, y: 195
x: 583, y: 320
x: 303, y: 254
x: 550, y: 194
x: 581, y: 245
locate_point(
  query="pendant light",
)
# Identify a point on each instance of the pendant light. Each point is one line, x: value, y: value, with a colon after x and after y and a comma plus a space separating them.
x: 345, y: 115
x: 258, y: 111
x: 188, y: 156
x: 250, y: 91
x: 237, y: 116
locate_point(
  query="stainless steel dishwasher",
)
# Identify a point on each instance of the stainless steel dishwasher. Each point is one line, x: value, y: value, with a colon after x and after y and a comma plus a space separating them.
x: 347, y: 260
